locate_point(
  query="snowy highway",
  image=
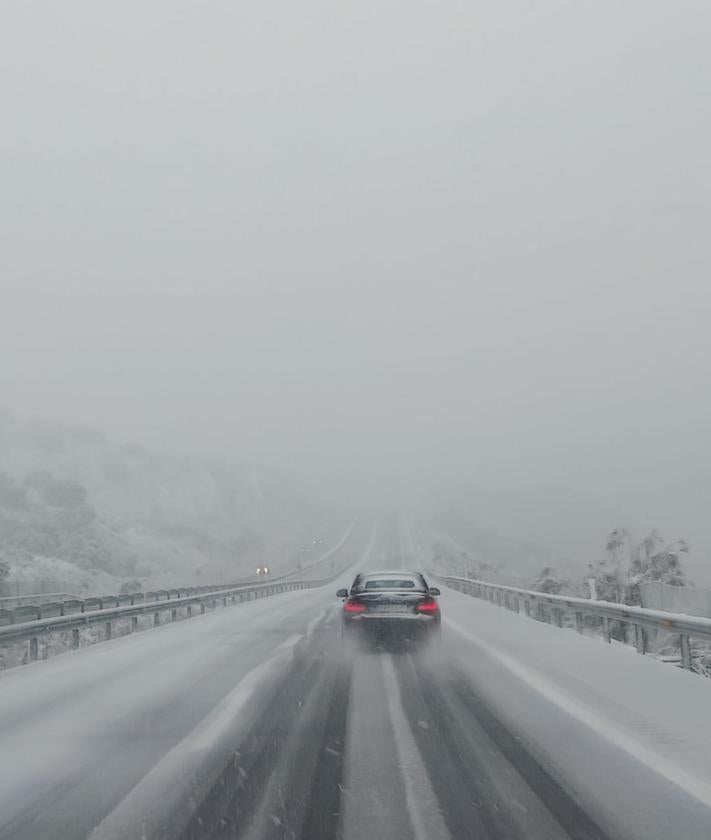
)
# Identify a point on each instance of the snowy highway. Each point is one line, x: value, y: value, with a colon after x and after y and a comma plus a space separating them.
x: 355, y: 396
x: 254, y: 722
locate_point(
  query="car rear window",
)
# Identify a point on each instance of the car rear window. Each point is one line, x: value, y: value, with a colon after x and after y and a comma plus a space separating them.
x: 391, y: 583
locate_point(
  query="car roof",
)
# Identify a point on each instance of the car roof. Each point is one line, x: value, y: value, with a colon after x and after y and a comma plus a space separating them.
x: 394, y: 573
x: 362, y: 580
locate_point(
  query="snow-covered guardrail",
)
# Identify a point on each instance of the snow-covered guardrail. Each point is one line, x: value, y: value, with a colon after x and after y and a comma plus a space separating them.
x: 24, y: 608
x: 554, y: 607
x: 70, y: 605
x: 9, y: 602
x: 32, y: 630
x: 31, y: 622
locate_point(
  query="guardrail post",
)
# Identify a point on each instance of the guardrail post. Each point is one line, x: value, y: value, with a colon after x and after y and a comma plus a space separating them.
x: 579, y: 622
x: 640, y: 639
x: 75, y: 638
x: 517, y: 605
x: 108, y: 629
x: 173, y: 614
x: 34, y: 649
x: 156, y: 619
x: 527, y: 607
x: 190, y: 611
x: 224, y: 602
x: 607, y: 630
x: 202, y: 608
x: 134, y: 623
x: 685, y: 644
x: 557, y: 616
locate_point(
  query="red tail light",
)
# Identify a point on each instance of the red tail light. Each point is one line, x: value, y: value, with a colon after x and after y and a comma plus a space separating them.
x: 428, y: 607
x: 353, y: 607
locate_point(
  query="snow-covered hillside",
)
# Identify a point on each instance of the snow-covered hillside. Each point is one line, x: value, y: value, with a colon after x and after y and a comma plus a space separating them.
x: 79, y: 512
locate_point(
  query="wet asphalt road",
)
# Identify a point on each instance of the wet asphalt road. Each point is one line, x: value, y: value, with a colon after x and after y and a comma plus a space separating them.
x: 393, y: 745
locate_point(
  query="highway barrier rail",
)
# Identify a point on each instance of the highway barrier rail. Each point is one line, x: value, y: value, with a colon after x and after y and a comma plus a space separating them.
x: 554, y: 608
x: 9, y: 602
x: 31, y: 622
x: 15, y: 609
x: 200, y: 597
x: 64, y: 604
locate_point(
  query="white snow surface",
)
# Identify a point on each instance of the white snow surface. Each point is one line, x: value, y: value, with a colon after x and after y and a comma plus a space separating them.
x: 627, y: 731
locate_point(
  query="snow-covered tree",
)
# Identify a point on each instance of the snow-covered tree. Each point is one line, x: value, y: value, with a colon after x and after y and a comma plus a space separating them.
x: 618, y: 575
x: 610, y: 573
x: 617, y: 541
x: 547, y: 581
x: 655, y: 560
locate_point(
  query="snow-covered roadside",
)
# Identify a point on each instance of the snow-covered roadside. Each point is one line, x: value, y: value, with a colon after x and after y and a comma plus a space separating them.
x: 629, y: 735
x: 132, y: 700
x: 164, y: 800
x: 103, y: 717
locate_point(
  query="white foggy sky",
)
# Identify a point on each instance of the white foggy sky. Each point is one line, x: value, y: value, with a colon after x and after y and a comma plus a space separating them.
x: 378, y: 243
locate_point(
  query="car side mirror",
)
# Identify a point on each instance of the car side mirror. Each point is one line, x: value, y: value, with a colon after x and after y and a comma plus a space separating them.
x: 434, y: 591
x: 342, y: 593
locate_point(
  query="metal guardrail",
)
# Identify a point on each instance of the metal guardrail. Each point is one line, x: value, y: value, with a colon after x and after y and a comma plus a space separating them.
x: 47, y: 605
x: 70, y: 605
x: 32, y: 630
x: 9, y: 602
x: 32, y: 621
x: 556, y: 606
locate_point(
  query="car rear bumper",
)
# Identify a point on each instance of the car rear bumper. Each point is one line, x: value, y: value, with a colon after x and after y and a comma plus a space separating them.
x: 391, y: 623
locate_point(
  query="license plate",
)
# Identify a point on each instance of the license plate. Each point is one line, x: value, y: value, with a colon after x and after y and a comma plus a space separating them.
x: 390, y: 608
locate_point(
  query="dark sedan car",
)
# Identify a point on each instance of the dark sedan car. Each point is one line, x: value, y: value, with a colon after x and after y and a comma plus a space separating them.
x: 391, y: 605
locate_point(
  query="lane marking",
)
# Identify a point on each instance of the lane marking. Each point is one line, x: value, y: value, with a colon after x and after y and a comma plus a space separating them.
x: 212, y: 728
x: 695, y: 787
x: 172, y: 778
x: 422, y: 805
